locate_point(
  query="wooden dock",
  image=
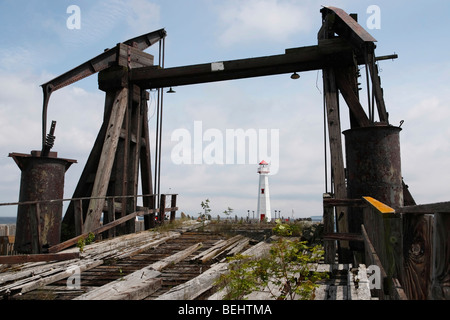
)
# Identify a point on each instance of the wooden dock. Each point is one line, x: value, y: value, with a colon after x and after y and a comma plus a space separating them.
x: 181, y: 264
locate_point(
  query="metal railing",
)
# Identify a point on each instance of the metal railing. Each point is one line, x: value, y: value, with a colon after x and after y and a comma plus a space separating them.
x: 153, y: 216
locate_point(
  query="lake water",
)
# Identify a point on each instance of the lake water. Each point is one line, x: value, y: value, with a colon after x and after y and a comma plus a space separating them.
x: 7, y: 220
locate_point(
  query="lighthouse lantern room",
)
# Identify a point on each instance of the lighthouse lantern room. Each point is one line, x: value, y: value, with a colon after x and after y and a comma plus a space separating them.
x: 263, y: 209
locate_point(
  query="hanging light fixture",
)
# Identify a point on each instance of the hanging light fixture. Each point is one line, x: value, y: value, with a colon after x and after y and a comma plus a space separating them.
x: 171, y: 90
x: 295, y: 76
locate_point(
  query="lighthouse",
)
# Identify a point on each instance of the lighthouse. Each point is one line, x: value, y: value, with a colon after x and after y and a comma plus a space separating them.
x: 263, y: 192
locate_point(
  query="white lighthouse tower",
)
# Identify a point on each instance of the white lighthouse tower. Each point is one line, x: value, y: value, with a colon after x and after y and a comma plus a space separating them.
x: 263, y: 192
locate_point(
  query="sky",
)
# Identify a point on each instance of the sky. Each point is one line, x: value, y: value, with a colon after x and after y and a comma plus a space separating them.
x: 39, y: 42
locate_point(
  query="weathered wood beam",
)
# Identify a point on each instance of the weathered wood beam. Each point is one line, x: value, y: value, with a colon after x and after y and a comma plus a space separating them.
x: 71, y: 226
x: 195, y: 287
x: 38, y: 257
x: 441, y: 207
x: 384, y: 227
x: 340, y: 22
x: 328, y: 227
x: 33, y: 283
x: 139, y: 284
x: 440, y: 281
x: 337, y: 158
x: 417, y: 255
x: 352, y: 100
x: 294, y: 60
x: 71, y: 242
x: 342, y: 236
x: 376, y: 87
x: 145, y: 164
x: 220, y: 249
x: 331, y: 202
x: 106, y: 162
x: 372, y: 257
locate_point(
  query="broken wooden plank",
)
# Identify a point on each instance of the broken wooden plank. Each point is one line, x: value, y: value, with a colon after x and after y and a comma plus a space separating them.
x: 126, y: 245
x: 217, y: 245
x: 37, y: 275
x: 221, y: 250
x: 238, y: 247
x: 51, y: 276
x: 135, y: 286
x: 73, y: 241
x: 202, y: 283
x: 175, y: 258
x: 139, y: 284
x: 19, y: 272
x: 195, y: 287
x: 38, y: 257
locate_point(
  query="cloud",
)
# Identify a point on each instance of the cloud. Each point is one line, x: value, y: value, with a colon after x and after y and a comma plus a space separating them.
x: 425, y: 146
x: 115, y: 20
x: 143, y: 16
x: 16, y: 58
x: 256, y: 20
x: 78, y: 114
x: 250, y: 105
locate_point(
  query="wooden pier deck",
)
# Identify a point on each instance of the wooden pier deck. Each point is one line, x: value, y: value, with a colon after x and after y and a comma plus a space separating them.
x: 181, y: 264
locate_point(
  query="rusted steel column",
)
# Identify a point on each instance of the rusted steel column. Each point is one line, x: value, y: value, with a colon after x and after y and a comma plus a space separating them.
x: 42, y: 178
x: 373, y: 167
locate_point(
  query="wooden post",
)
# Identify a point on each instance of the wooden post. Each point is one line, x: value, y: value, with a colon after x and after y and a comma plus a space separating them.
x: 417, y: 241
x: 162, y: 207
x: 146, y: 168
x: 328, y: 224
x: 384, y: 229
x: 440, y: 283
x: 376, y: 86
x: 337, y: 160
x: 393, y: 244
x: 111, y: 216
x: 149, y: 217
x: 173, y: 204
x: 106, y: 162
x: 78, y: 214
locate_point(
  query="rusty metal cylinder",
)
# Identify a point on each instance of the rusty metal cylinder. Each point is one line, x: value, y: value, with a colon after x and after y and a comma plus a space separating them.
x: 38, y: 223
x: 373, y: 167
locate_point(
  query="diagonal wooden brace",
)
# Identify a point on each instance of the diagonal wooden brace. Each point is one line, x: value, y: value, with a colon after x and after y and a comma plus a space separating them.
x: 106, y: 161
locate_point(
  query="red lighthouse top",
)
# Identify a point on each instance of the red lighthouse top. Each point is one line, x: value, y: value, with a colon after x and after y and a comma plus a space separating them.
x: 263, y: 167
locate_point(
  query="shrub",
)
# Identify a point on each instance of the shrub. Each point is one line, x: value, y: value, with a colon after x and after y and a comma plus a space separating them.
x: 284, y: 272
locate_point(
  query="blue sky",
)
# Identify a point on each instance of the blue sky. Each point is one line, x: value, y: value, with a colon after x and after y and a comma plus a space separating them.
x: 36, y: 46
